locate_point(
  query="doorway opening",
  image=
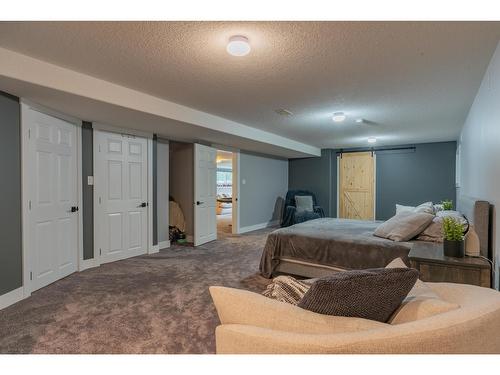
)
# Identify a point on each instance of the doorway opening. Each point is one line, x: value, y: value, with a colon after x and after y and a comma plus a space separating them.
x: 224, y: 208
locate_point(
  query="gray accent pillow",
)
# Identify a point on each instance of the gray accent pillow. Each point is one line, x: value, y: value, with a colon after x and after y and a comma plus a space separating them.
x: 304, y: 203
x: 404, y: 226
x: 370, y: 294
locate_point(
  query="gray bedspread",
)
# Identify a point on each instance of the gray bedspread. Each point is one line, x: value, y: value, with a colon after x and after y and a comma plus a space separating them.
x: 341, y: 243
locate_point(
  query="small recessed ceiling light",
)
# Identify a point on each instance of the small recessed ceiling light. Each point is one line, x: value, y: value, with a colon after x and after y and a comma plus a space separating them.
x: 238, y: 45
x: 338, y: 117
x: 372, y: 140
x: 360, y: 120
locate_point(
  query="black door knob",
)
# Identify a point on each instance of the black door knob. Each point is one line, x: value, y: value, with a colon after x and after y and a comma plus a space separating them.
x: 198, y: 203
x: 74, y: 208
x: 143, y: 204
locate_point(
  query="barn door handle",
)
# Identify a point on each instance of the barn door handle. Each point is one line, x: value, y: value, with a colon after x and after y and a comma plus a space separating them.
x: 198, y: 203
x: 143, y: 204
x: 74, y: 208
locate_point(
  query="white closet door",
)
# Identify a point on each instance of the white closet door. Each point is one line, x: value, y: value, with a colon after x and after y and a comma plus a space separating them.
x: 121, y: 189
x: 53, y: 216
x: 205, y: 194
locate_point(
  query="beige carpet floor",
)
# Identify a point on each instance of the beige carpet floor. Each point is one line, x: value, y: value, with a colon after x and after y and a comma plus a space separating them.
x: 224, y: 224
x: 149, y: 304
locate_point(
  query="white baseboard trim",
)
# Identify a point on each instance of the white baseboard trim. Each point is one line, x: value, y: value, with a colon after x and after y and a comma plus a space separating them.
x: 251, y: 228
x: 11, y: 297
x: 154, y: 249
x: 163, y: 245
x: 87, y: 263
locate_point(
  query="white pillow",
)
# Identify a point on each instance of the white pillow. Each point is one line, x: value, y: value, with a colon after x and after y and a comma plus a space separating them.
x: 426, y: 207
x: 438, y: 207
x: 457, y: 216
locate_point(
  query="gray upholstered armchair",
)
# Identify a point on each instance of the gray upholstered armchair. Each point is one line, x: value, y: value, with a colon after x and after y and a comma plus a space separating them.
x: 292, y: 216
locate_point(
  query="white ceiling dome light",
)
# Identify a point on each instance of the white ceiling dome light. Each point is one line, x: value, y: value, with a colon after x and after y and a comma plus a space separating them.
x: 372, y: 140
x: 238, y: 45
x: 339, y: 116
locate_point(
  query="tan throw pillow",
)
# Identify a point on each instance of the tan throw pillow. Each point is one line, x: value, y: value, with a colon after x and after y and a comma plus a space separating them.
x: 286, y: 289
x: 404, y: 226
x: 434, y: 232
x: 420, y: 303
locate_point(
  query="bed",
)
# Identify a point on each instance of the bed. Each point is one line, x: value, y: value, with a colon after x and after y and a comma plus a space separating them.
x: 318, y: 247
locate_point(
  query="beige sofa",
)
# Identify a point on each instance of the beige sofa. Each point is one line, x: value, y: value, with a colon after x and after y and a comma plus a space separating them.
x: 252, y: 323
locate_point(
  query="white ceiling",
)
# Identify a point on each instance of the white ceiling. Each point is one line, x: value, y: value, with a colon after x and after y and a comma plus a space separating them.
x: 413, y: 82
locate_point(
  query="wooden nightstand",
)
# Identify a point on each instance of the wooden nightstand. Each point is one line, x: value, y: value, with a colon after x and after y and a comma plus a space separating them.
x: 435, y: 267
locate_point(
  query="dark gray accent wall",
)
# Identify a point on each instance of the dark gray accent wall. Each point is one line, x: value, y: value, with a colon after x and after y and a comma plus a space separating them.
x: 411, y: 177
x: 87, y: 190
x: 316, y: 175
x: 11, y: 273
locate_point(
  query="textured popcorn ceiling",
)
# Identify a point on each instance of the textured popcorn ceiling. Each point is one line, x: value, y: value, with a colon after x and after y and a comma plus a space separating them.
x: 413, y: 82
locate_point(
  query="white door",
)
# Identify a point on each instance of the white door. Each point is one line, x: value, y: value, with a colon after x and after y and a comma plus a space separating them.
x: 205, y: 191
x: 120, y: 187
x: 51, y: 178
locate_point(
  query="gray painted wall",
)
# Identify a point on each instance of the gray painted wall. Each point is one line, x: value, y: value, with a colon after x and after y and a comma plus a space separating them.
x: 407, y: 177
x: 87, y: 190
x: 10, y: 195
x: 182, y: 180
x: 162, y: 184
x: 263, y: 186
x: 480, y: 150
x: 315, y: 174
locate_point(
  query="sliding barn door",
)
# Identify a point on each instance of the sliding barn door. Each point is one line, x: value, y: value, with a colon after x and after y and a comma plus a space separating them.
x: 356, y: 186
x: 121, y: 192
x: 205, y: 194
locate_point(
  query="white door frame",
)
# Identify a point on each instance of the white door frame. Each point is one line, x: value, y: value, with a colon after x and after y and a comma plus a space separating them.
x: 235, y: 165
x: 236, y: 192
x: 198, y: 151
x: 26, y: 172
x: 374, y: 184
x: 149, y: 137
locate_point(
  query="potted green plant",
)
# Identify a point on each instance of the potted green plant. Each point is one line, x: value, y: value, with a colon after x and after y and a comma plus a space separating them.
x: 453, y: 243
x: 447, y: 205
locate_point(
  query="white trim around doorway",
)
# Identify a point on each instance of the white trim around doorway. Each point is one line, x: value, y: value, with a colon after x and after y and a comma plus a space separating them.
x: 150, y: 248
x: 236, y: 194
x: 374, y: 184
x: 27, y: 171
